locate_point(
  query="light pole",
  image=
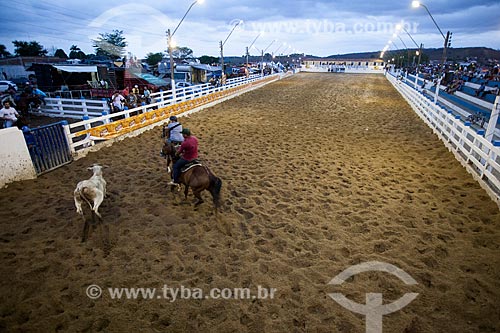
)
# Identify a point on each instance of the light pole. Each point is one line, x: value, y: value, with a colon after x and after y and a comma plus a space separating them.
x: 274, y: 55
x: 262, y: 58
x: 397, y: 52
x: 418, y: 52
x: 170, y: 47
x: 249, y: 47
x: 222, y: 51
x: 406, y: 47
x: 416, y: 4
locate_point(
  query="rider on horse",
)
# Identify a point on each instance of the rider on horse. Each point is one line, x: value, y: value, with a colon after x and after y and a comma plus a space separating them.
x: 188, y: 151
x: 174, y: 131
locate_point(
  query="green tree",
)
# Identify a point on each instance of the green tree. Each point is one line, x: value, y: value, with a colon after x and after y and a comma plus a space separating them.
x: 111, y: 44
x: 28, y: 49
x: 154, y: 58
x: 3, y: 51
x: 60, y: 54
x: 182, y: 52
x: 76, y: 53
x: 208, y: 59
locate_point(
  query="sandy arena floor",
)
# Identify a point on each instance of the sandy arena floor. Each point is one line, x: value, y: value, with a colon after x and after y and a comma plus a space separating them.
x: 320, y: 172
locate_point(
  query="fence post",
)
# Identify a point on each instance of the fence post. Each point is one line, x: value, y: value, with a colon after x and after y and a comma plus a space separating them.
x: 67, y: 133
x: 87, y: 126
x: 84, y: 106
x: 106, y: 106
x: 106, y: 120
x: 436, y: 95
x: 59, y: 105
x: 492, y: 123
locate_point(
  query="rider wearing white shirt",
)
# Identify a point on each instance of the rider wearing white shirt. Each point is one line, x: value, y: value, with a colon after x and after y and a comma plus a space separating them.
x: 175, y: 129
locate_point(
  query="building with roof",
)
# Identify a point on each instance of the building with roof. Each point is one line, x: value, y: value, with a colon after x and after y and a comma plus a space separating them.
x: 343, y: 65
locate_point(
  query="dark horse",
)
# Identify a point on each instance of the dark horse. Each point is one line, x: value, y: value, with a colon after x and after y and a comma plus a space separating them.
x: 198, y: 177
x: 26, y: 102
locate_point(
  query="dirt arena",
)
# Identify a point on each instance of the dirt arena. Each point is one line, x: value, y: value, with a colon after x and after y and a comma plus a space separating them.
x: 320, y: 172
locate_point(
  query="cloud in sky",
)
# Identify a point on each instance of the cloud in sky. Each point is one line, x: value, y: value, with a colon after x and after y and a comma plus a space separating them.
x: 313, y: 27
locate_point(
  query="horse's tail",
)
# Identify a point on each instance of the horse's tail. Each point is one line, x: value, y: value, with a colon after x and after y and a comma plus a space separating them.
x: 215, y: 187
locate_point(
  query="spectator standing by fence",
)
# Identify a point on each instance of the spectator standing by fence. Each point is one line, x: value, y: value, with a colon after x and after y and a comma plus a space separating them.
x: 40, y: 95
x: 147, y: 95
x: 8, y: 114
x: 117, y: 101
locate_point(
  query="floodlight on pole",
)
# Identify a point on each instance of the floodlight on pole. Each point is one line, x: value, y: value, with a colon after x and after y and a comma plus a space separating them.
x: 416, y: 4
x: 171, y: 45
x: 262, y: 57
x: 249, y: 47
x: 222, y: 49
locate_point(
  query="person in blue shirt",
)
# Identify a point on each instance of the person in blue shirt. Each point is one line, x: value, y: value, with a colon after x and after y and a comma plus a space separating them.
x: 40, y: 95
x: 174, y: 129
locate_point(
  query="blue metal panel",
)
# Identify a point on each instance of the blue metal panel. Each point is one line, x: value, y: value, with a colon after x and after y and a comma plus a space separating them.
x: 48, y: 147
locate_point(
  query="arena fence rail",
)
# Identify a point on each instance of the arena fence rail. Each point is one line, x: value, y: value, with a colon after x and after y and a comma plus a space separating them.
x: 72, y: 108
x: 458, y: 107
x: 479, y: 156
x: 85, y: 134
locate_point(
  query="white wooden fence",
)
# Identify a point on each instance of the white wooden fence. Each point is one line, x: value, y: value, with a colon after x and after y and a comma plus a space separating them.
x: 73, y: 108
x: 160, y: 100
x: 416, y: 82
x: 82, y: 108
x: 478, y: 155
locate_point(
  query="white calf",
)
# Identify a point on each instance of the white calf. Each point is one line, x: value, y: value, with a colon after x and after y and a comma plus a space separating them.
x: 91, y: 190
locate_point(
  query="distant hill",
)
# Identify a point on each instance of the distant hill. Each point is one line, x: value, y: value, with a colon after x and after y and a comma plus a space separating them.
x: 482, y: 54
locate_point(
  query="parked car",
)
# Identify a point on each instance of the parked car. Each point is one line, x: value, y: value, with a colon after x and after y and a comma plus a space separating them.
x: 4, y: 85
x: 180, y: 85
x: 189, y: 88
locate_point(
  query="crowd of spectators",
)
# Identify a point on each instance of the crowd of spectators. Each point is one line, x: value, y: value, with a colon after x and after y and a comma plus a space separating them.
x: 456, y: 76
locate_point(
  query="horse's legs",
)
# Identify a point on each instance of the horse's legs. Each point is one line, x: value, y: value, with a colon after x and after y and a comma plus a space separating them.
x: 85, y: 230
x: 197, y: 194
x: 186, y: 190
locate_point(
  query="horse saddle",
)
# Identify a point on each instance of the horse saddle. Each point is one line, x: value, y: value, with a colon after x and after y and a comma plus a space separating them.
x: 191, y: 165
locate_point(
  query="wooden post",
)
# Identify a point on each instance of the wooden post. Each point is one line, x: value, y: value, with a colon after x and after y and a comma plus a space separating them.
x: 60, y: 106
x: 492, y: 123
x: 84, y: 106
x: 67, y: 132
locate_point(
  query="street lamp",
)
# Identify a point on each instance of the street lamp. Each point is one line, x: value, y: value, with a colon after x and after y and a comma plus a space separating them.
x: 171, y: 46
x: 249, y: 47
x: 418, y: 52
x: 222, y: 49
x: 262, y: 57
x: 416, y: 4
x: 406, y: 47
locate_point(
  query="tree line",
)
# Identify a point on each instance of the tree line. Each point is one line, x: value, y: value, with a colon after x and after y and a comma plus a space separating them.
x: 108, y: 45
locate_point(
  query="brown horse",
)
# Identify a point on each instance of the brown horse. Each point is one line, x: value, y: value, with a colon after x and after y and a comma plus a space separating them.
x: 198, y: 177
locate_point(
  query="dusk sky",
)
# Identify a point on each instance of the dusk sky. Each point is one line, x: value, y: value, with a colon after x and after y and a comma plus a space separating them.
x: 313, y: 27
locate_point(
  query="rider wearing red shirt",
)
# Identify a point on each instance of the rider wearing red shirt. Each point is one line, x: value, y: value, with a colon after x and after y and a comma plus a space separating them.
x: 188, y: 151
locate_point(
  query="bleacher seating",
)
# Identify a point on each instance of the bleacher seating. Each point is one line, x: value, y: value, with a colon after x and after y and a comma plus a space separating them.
x: 489, y: 98
x: 468, y: 90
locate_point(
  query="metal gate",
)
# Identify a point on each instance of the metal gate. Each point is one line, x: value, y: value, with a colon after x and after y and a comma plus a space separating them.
x: 48, y: 147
